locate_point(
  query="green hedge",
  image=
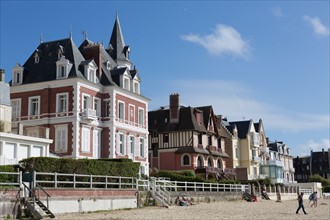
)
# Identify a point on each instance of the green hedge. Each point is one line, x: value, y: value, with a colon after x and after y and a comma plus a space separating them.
x: 177, y: 176
x: 4, y: 178
x: 110, y: 167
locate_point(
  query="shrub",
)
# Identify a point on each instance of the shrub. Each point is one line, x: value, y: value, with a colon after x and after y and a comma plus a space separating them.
x: 7, y: 178
x: 108, y: 167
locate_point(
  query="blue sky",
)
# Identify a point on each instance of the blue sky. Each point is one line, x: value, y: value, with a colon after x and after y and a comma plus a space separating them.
x: 248, y: 59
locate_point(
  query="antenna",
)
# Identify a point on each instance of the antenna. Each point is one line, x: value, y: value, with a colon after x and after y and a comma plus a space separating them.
x: 84, y: 33
x: 40, y: 37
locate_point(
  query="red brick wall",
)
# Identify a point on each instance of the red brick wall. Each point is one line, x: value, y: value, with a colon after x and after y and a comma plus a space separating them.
x: 105, y: 153
x: 167, y: 160
x: 128, y: 101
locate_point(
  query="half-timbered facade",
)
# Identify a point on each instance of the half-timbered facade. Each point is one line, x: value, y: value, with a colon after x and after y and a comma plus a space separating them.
x: 186, y: 138
x: 88, y: 96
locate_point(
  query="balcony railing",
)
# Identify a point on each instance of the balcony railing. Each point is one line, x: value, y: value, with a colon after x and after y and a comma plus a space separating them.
x: 209, y: 169
x: 89, y: 114
x: 255, y: 158
x: 272, y: 162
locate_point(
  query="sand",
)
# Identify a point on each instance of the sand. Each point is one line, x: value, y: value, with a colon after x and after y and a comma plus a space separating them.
x: 264, y: 209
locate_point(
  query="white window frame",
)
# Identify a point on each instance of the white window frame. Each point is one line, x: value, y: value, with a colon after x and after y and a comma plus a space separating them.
x: 97, y: 106
x: 141, y: 123
x: 63, y: 67
x: 36, y: 58
x: 97, y: 143
x: 121, y: 143
x: 121, y: 111
x: 182, y: 161
x: 17, y: 75
x: 59, y: 107
x: 16, y: 108
x: 30, y: 105
x: 141, y: 147
x: 61, y: 140
x: 131, y: 144
x: 130, y: 113
x: 88, y: 104
x: 107, y: 108
x: 126, y: 83
x: 85, y: 139
x: 136, y: 87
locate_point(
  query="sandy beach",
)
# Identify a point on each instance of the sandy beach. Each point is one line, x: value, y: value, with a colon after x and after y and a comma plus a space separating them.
x: 263, y: 209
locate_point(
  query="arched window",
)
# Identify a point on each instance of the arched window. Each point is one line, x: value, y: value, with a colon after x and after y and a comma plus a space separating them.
x: 209, y: 162
x: 199, y: 162
x: 219, y: 164
x: 186, y: 160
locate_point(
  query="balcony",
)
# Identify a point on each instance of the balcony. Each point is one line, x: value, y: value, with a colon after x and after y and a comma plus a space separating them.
x: 273, y: 162
x: 292, y: 170
x: 208, y: 169
x: 89, y: 114
x: 255, y: 159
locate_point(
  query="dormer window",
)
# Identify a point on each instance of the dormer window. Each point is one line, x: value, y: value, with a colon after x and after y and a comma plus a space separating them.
x: 90, y: 68
x: 36, y: 58
x: 108, y: 65
x: 17, y: 75
x: 59, y: 52
x: 126, y: 83
x: 63, y: 67
x: 137, y: 87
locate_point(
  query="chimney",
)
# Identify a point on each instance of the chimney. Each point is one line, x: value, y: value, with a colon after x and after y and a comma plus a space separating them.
x: 174, y: 107
x: 94, y: 52
x: 2, y: 75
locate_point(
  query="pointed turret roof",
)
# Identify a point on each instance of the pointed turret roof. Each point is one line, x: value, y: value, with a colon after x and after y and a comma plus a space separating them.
x: 117, y: 47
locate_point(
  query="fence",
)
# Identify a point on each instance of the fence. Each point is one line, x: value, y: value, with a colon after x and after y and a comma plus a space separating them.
x: 64, y: 180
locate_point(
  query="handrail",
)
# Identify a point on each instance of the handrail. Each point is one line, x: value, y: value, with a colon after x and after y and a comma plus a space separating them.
x: 17, y: 197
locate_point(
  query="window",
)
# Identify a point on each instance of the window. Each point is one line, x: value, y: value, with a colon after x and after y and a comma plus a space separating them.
x: 107, y: 108
x: 16, y: 108
x: 63, y: 67
x: 219, y: 164
x: 126, y: 83
x: 61, y: 138
x: 236, y: 152
x: 86, y: 135
x: 86, y: 102
x: 91, y: 76
x: 131, y: 116
x: 186, y: 160
x: 121, y: 143
x: 141, y: 116
x: 96, y: 143
x: 34, y: 105
x: 155, y: 149
x: 108, y: 65
x: 131, y: 143
x: 200, y: 140
x: 210, y: 140
x: 97, y: 106
x: 62, y: 102
x: 121, y: 110
x: 141, y: 147
x: 165, y: 139
x: 137, y: 87
x: 36, y: 58
x: 17, y: 75
x: 199, y: 162
x: 209, y: 162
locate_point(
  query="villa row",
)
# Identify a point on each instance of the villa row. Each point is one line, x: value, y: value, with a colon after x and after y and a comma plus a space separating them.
x: 86, y: 102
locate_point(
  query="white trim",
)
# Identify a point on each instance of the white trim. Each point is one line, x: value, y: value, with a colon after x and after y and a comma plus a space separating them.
x: 130, y: 113
x: 66, y: 109
x: 98, y: 110
x: 85, y: 139
x: 123, y: 110
x: 37, y: 112
x: 18, y: 112
x: 61, y: 128
x: 182, y: 160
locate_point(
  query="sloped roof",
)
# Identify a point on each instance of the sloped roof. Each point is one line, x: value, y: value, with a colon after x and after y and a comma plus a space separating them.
x: 45, y: 69
x: 117, y: 42
x: 242, y: 127
x: 160, y: 120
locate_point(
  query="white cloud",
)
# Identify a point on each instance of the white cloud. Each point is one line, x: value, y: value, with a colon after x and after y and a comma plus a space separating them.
x: 224, y: 40
x: 236, y: 101
x: 278, y: 12
x: 316, y: 146
x: 319, y: 28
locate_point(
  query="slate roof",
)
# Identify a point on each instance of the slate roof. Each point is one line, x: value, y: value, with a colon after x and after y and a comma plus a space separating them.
x: 242, y: 128
x: 117, y: 45
x: 160, y: 120
x: 45, y: 69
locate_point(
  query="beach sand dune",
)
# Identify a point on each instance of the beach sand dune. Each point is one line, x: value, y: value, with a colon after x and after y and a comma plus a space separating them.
x: 264, y: 209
